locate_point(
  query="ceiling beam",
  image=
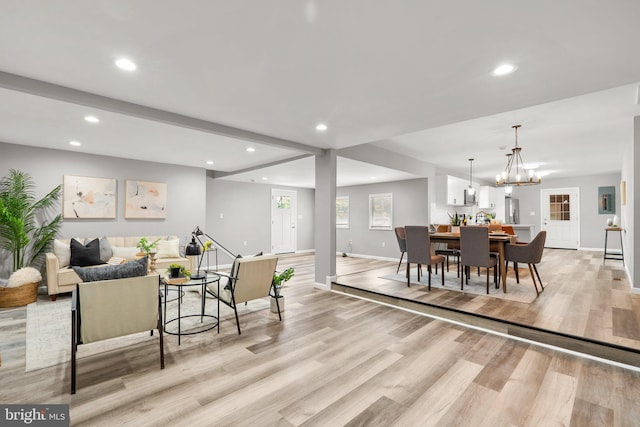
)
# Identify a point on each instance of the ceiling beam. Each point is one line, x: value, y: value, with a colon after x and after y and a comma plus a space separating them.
x: 74, y: 96
x: 220, y: 174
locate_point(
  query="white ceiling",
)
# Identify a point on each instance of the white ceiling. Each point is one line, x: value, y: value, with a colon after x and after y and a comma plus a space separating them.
x: 412, y: 77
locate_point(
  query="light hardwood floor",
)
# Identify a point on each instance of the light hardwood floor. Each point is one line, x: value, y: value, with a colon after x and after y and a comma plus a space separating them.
x: 582, y: 296
x: 333, y: 360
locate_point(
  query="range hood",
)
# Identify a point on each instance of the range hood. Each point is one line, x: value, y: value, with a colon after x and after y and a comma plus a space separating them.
x: 469, y: 199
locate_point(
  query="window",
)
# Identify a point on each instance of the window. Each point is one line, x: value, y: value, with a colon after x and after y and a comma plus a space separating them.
x: 342, y: 212
x: 283, y: 202
x: 559, y: 207
x: 380, y: 211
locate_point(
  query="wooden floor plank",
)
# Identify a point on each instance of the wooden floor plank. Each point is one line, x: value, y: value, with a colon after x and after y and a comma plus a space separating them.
x: 337, y: 360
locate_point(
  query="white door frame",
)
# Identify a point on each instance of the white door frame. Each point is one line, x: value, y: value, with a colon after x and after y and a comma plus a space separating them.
x: 575, y: 213
x: 293, y: 220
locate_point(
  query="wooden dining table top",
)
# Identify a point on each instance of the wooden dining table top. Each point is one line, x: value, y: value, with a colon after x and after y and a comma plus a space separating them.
x: 499, y: 237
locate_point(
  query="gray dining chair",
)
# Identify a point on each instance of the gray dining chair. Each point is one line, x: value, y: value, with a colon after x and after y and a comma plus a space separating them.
x: 402, y: 244
x: 419, y: 252
x: 531, y: 253
x: 449, y: 249
x: 474, y: 252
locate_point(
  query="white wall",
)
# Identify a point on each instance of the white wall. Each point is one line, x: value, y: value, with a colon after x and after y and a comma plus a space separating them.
x: 185, y: 187
x: 592, y: 224
x: 410, y: 207
x: 246, y: 216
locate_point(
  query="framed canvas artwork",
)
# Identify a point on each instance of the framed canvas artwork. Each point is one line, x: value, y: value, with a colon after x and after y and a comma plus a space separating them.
x: 146, y: 200
x: 85, y: 197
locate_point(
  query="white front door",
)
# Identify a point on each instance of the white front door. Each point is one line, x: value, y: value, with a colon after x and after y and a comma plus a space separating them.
x: 283, y: 221
x: 560, y: 209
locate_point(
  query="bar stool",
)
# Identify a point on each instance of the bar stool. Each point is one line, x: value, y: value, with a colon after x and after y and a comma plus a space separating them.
x: 613, y: 255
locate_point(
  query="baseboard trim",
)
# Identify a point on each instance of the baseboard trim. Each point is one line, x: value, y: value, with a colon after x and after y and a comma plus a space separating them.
x: 380, y: 258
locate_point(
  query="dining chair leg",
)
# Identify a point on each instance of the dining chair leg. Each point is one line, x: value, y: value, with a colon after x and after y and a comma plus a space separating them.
x: 447, y: 264
x: 419, y: 271
x: 436, y: 269
x: 447, y: 270
x: 534, y: 280
x: 487, y: 280
x: 515, y: 267
x: 429, y: 281
x: 408, y: 274
x: 400, y: 262
x: 539, y: 279
x: 461, y: 277
x: 495, y: 274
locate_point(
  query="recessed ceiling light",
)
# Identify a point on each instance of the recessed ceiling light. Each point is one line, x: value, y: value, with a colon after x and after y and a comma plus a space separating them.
x: 504, y: 69
x: 209, y: 162
x: 264, y: 178
x: 75, y: 143
x: 91, y: 119
x: 321, y: 127
x: 372, y: 177
x: 126, y: 64
x: 250, y: 149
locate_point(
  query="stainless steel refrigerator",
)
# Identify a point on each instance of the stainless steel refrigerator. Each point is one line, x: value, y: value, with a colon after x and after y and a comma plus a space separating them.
x: 512, y: 211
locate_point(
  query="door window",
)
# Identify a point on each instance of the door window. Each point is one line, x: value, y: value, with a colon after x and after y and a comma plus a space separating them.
x: 559, y: 207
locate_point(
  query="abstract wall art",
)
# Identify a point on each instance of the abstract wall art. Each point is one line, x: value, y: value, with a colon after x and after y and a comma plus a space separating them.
x: 144, y: 199
x: 87, y: 197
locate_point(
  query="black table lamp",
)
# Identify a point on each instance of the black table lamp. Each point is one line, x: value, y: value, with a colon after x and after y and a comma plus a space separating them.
x: 193, y: 249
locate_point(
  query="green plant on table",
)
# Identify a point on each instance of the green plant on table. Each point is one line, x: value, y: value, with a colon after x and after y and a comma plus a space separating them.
x: 145, y: 246
x: 454, y: 219
x: 23, y: 231
x: 280, y: 279
x: 183, y: 270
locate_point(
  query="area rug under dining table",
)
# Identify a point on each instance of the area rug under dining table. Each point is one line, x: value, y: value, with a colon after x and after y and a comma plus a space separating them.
x: 523, y: 292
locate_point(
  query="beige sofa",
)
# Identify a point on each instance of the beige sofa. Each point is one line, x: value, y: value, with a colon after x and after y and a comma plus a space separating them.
x: 61, y: 278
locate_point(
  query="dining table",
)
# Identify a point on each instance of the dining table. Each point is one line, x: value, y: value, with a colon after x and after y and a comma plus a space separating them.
x: 497, y: 243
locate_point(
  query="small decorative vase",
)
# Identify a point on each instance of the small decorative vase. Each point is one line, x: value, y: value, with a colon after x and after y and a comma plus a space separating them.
x: 175, y: 272
x: 455, y: 229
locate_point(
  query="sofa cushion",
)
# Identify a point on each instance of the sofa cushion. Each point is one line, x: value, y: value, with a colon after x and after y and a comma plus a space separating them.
x: 168, y: 248
x: 105, y: 248
x: 62, y: 251
x: 126, y: 252
x: 84, y: 255
x: 128, y: 269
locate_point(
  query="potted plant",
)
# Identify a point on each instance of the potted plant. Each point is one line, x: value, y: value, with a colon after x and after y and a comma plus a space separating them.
x: 177, y: 270
x: 145, y: 246
x: 147, y: 249
x: 23, y: 231
x: 455, y: 222
x: 279, y: 281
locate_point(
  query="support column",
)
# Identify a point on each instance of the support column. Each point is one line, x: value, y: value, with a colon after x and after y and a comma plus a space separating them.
x: 325, y: 219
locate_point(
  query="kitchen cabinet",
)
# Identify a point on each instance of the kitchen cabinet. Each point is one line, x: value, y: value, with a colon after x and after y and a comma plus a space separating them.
x: 450, y: 190
x: 491, y: 198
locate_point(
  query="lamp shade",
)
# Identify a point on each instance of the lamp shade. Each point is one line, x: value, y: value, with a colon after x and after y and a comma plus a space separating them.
x: 193, y: 248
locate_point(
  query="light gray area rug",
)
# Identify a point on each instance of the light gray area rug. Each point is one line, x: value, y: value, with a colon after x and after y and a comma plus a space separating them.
x: 48, y: 336
x: 522, y: 292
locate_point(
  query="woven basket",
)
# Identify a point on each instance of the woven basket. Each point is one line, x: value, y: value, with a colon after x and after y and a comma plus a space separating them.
x: 16, y: 297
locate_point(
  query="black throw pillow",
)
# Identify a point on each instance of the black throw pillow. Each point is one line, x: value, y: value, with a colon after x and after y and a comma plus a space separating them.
x: 85, y: 255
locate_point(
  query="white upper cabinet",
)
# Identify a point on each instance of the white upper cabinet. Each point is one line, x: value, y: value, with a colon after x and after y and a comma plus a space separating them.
x: 450, y: 190
x: 486, y: 197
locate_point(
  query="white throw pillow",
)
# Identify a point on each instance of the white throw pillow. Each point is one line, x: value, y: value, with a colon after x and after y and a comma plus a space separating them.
x: 125, y: 252
x: 62, y: 251
x: 168, y: 248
